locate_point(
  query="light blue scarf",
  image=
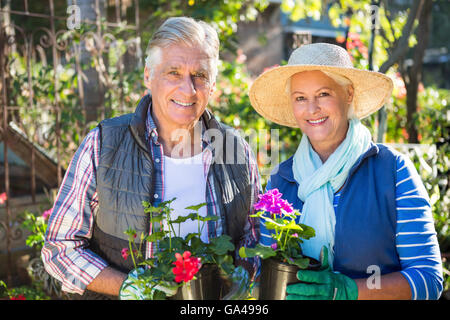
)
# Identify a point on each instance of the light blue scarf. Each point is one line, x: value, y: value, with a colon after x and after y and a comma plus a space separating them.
x: 319, y: 181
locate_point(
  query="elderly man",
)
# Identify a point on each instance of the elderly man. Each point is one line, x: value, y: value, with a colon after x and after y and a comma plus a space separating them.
x: 142, y: 156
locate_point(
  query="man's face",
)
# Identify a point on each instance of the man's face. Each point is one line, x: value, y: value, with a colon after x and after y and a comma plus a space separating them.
x: 181, y: 84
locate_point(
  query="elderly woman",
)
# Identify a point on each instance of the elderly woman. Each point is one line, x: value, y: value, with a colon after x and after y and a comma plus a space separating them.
x: 366, y: 202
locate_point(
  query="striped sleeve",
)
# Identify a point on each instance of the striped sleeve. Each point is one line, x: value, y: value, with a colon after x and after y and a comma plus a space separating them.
x: 416, y: 239
x: 70, y: 225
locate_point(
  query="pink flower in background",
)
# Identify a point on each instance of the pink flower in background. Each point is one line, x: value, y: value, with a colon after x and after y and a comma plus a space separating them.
x: 241, y: 57
x: 3, y: 198
x: 126, y: 252
x: 272, y: 202
x: 274, y: 246
x: 47, y: 213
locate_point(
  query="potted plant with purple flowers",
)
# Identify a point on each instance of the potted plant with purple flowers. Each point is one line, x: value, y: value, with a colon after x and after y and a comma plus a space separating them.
x: 282, y: 259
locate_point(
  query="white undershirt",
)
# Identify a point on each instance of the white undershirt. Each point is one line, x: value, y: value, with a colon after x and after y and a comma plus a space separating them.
x: 185, y: 180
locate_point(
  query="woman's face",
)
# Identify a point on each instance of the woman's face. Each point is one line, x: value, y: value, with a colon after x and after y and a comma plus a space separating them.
x: 320, y: 107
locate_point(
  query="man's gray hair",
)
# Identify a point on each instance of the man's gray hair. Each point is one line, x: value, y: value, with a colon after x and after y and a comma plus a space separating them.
x: 185, y: 31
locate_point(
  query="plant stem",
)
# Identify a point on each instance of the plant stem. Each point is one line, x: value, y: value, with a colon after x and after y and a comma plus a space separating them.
x: 132, y: 254
x: 198, y: 224
x: 170, y: 227
x: 285, y: 240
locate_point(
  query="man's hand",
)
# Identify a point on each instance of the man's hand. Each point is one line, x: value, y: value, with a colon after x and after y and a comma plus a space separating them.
x: 107, y: 282
x: 130, y: 290
x: 240, y: 287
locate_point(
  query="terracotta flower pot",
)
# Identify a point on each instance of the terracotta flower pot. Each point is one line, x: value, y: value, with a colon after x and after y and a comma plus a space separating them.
x: 277, y: 275
x: 209, y: 285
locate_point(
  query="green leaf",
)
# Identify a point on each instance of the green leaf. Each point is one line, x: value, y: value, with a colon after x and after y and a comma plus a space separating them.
x: 157, y: 218
x: 208, y: 218
x: 308, y: 232
x: 225, y: 263
x: 259, y: 250
x: 292, y: 226
x: 152, y: 209
x: 302, y: 263
x: 221, y: 245
x: 196, y: 207
x: 197, y: 246
x: 155, y: 236
x: 181, y: 219
x: 190, y: 236
x: 272, y: 224
x: 130, y: 232
x: 148, y: 262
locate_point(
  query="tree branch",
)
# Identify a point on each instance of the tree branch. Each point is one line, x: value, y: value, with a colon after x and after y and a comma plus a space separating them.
x: 401, y: 46
x: 388, y: 18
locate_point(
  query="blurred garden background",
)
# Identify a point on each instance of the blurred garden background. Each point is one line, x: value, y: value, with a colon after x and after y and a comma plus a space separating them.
x: 67, y: 64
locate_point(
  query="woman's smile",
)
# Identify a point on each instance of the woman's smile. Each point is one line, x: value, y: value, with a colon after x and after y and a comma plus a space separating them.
x: 317, y: 122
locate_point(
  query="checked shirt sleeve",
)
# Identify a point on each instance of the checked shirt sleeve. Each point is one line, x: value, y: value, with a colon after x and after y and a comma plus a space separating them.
x: 65, y: 254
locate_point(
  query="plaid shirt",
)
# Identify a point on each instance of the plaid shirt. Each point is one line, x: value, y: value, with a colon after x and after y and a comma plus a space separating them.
x: 65, y: 253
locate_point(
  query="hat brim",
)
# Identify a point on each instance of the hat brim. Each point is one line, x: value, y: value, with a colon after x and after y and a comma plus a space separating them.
x: 269, y: 98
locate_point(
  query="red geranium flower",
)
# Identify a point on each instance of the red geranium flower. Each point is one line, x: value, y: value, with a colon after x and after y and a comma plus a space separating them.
x: 19, y: 297
x: 185, y: 267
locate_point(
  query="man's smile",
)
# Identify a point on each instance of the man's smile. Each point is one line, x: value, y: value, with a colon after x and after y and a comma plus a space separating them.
x: 183, y: 104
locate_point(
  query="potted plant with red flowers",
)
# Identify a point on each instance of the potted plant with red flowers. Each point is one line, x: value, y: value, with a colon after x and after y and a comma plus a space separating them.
x: 281, y: 260
x: 197, y: 270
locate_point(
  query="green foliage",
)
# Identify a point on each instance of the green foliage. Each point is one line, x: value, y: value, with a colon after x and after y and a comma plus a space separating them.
x: 224, y: 16
x: 37, y: 226
x: 434, y: 130
x: 168, y: 243
x: 33, y: 292
x: 288, y: 236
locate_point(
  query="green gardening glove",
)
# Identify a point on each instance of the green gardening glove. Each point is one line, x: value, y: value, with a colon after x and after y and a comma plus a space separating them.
x: 323, y: 284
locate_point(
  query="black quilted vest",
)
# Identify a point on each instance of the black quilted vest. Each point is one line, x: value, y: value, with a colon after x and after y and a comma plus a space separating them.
x: 125, y: 178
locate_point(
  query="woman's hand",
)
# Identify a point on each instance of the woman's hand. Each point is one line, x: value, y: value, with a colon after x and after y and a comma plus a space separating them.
x: 322, y: 285
x: 329, y: 285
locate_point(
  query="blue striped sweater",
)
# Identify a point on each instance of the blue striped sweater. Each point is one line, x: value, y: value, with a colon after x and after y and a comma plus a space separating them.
x: 416, y: 240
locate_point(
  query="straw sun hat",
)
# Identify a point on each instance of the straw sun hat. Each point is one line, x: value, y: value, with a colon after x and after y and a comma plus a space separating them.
x: 270, y: 99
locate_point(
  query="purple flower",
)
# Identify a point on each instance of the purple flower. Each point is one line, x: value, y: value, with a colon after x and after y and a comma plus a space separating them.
x: 274, y: 246
x: 272, y: 202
